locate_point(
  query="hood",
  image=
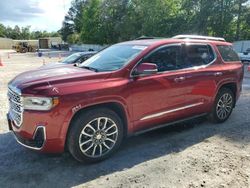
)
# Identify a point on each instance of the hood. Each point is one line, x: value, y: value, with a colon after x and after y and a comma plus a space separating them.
x: 58, y: 74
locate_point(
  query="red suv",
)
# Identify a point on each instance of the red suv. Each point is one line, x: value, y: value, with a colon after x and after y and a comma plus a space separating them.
x: 126, y: 89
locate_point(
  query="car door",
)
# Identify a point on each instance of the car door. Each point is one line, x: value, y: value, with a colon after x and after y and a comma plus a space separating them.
x: 202, y: 74
x: 159, y: 98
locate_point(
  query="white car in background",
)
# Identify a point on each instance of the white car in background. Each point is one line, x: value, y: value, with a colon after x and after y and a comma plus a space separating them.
x: 243, y: 50
x: 245, y: 56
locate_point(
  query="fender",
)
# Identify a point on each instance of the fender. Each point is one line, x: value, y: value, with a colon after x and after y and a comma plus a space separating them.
x: 224, y: 82
x: 81, y: 106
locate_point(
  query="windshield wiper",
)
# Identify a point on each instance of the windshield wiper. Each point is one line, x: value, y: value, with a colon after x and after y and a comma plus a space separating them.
x: 90, y: 68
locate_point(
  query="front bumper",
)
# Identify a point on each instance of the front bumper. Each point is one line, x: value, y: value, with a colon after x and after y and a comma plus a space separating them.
x: 38, y: 140
x: 37, y: 136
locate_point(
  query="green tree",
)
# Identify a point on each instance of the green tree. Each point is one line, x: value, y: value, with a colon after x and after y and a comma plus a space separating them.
x: 2, y: 30
x: 25, y: 33
x: 90, y: 23
x: 73, y: 20
x: 73, y: 38
x: 244, y: 33
x: 111, y: 21
x: 152, y: 19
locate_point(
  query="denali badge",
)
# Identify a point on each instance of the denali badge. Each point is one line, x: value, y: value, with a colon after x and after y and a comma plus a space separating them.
x: 76, y: 108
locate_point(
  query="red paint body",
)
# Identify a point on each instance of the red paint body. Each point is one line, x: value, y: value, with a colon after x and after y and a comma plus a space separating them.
x: 138, y: 96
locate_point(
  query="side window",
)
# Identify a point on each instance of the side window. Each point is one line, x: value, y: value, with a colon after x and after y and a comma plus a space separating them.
x: 197, y: 55
x: 228, y: 54
x: 166, y: 58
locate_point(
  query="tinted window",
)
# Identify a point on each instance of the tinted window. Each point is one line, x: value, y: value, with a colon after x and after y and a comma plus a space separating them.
x: 166, y: 59
x: 197, y: 55
x: 228, y: 54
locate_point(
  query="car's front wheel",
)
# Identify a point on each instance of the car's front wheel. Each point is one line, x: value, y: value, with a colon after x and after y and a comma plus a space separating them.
x: 95, y: 135
x: 223, y: 106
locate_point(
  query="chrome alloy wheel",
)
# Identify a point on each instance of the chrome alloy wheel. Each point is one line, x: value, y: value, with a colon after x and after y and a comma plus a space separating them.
x: 224, y: 106
x: 98, y: 137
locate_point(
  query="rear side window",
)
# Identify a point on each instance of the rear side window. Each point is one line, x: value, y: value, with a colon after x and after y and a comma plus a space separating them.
x: 198, y: 55
x: 228, y: 54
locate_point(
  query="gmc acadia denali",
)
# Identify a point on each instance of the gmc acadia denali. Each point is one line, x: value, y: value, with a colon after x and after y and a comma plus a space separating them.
x: 126, y: 89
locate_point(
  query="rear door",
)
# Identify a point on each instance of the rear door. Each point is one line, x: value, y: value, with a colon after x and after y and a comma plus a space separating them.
x: 232, y: 69
x: 202, y: 75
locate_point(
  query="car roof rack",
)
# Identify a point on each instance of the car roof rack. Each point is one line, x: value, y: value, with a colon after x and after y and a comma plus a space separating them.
x: 199, y: 37
x: 146, y: 37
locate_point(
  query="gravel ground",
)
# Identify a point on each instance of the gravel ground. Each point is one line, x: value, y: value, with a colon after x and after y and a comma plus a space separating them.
x: 192, y: 154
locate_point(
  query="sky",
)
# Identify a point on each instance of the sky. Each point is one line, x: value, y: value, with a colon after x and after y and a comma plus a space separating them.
x: 39, y: 14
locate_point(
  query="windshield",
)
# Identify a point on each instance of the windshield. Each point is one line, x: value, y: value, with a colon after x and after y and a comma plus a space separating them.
x: 113, y: 58
x: 71, y: 58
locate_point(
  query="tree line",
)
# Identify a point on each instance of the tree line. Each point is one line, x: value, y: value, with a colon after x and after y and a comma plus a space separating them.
x: 111, y: 21
x: 24, y: 33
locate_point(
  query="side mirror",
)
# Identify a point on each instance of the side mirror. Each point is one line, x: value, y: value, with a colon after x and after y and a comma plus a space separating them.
x: 146, y: 69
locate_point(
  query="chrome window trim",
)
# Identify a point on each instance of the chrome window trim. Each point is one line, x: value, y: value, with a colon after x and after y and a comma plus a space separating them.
x: 184, y: 69
x: 170, y: 111
x: 30, y: 147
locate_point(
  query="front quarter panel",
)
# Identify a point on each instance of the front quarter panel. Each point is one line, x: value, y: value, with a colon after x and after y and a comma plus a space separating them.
x: 89, y: 94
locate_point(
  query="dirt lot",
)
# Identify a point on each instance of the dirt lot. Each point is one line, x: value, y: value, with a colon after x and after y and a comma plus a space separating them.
x: 193, y: 154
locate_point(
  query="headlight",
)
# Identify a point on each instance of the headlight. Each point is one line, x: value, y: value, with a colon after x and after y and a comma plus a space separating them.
x: 39, y: 103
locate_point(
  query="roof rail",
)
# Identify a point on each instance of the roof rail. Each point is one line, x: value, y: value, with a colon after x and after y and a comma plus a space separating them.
x: 198, y: 37
x: 146, y: 37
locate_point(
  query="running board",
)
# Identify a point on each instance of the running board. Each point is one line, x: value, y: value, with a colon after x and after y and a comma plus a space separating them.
x: 168, y: 124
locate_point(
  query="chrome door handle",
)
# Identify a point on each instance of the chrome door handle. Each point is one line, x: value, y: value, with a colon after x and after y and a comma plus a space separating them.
x: 218, y: 74
x: 179, y: 79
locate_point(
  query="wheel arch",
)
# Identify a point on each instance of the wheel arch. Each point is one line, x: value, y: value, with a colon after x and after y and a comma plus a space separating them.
x: 232, y: 86
x: 115, y: 106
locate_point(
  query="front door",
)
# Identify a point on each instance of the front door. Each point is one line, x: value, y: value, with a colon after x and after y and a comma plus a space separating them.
x: 160, y: 97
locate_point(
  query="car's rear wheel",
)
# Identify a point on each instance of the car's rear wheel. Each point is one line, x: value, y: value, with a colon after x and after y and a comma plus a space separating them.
x: 223, y: 106
x: 95, y: 135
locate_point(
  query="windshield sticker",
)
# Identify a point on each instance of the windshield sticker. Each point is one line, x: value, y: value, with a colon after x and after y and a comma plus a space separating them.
x: 139, y: 47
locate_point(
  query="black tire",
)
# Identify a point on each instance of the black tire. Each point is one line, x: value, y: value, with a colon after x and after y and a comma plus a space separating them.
x: 215, y: 115
x: 85, y: 123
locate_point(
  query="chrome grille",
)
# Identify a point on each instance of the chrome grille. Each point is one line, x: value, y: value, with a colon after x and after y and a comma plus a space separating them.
x: 15, y: 106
